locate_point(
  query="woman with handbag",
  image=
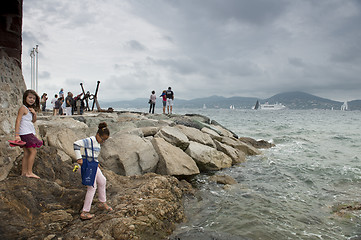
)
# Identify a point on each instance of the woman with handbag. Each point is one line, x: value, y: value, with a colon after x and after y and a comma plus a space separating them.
x: 92, y: 176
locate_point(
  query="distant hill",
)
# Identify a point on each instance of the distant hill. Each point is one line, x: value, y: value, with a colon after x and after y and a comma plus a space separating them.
x: 292, y: 100
x: 354, y: 105
x: 301, y: 100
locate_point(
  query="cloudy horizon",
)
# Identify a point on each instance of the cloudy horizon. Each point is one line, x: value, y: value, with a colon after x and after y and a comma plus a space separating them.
x: 228, y: 48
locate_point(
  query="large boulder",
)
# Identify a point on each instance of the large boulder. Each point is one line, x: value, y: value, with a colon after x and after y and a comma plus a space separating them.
x: 172, y: 160
x: 196, y: 135
x: 149, y: 131
x: 129, y: 154
x: 62, y: 133
x: 244, y: 147
x: 191, y: 120
x: 174, y: 136
x: 236, y: 155
x: 211, y: 133
x: 222, y: 131
x: 208, y: 158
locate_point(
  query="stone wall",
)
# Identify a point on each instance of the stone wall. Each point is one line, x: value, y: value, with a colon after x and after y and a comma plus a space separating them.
x: 11, y: 12
x: 12, y: 85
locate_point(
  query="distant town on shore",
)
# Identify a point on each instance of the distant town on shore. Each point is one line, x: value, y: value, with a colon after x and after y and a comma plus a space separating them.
x: 292, y: 100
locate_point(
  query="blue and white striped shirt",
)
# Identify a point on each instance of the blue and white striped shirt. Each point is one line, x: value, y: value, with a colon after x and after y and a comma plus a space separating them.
x: 86, y: 144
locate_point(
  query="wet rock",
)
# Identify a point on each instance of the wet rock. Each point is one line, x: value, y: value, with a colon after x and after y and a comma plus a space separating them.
x: 255, y: 143
x: 223, y: 179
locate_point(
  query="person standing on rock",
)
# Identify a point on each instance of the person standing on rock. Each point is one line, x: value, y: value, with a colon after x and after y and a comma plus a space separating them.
x: 170, y: 98
x: 69, y: 104
x: 93, y: 145
x: 61, y: 93
x: 57, y: 108
x: 164, y: 98
x: 43, y: 100
x: 152, y: 100
x: 25, y: 131
x: 53, y: 101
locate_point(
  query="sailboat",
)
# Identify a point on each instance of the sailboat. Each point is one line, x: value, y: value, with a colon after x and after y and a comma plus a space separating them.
x: 256, y: 106
x: 231, y: 107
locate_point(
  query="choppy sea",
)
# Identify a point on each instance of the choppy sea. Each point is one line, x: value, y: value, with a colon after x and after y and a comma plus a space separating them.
x: 293, y: 190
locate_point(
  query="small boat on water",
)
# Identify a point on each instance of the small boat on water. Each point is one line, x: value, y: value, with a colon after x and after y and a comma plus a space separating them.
x: 267, y: 106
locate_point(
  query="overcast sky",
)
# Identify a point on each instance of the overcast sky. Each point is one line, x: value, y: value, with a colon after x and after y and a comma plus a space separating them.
x: 248, y: 48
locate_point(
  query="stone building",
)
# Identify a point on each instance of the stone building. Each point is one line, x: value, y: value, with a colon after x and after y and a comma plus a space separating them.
x: 12, y: 85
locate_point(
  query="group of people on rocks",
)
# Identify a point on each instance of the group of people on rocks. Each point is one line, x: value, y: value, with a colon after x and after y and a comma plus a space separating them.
x: 167, y: 100
x: 26, y: 139
x: 64, y: 105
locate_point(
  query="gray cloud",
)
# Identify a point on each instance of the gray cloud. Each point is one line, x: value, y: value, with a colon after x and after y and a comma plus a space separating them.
x: 231, y: 48
x: 135, y: 45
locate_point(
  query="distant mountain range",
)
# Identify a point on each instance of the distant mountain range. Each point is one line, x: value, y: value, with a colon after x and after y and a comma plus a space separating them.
x: 292, y: 100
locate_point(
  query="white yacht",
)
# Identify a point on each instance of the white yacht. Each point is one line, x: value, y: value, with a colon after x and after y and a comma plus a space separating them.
x: 267, y: 106
x: 344, y: 106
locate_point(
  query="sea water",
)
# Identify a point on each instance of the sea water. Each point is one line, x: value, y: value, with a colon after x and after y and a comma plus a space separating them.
x: 290, y: 191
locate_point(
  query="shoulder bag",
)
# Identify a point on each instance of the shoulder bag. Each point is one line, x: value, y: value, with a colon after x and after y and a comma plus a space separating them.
x: 89, y: 169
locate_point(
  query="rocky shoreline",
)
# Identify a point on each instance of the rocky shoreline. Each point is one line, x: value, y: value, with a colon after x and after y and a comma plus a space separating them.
x: 145, y: 162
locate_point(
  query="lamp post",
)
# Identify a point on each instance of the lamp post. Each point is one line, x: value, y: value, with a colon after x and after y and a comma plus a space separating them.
x: 32, y: 68
x: 37, y: 66
x: 34, y: 56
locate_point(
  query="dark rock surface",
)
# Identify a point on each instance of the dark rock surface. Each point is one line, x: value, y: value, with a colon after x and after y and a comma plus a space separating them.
x: 145, y: 207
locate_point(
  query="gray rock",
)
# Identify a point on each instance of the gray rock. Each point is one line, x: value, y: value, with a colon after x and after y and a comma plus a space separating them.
x: 174, y: 136
x: 244, y: 147
x: 196, y: 135
x: 172, y: 160
x: 129, y: 155
x: 236, y: 155
x: 212, y: 133
x: 62, y: 133
x: 149, y: 131
x: 208, y: 158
